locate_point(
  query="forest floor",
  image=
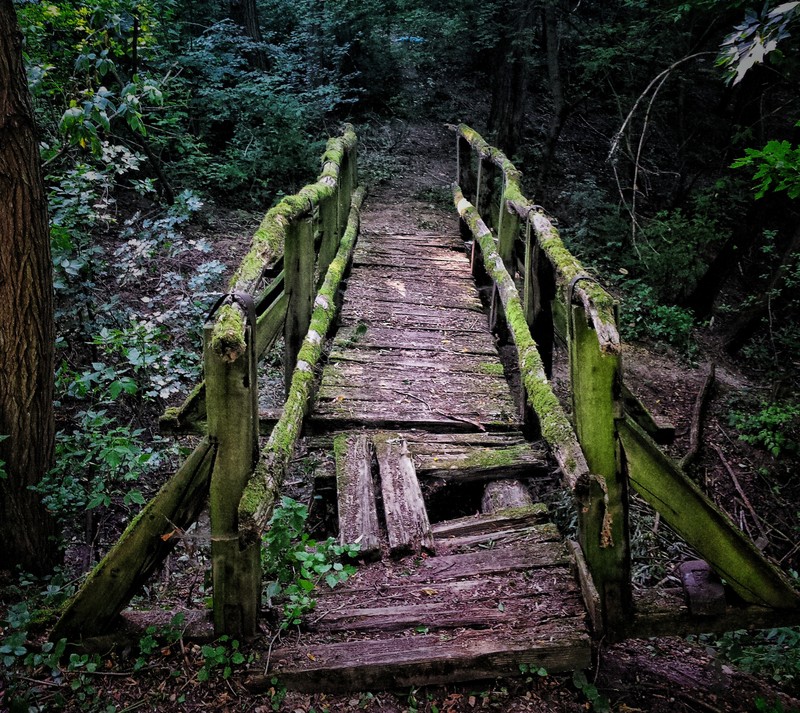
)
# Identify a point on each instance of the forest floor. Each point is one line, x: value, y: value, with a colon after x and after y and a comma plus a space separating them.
x: 412, y: 166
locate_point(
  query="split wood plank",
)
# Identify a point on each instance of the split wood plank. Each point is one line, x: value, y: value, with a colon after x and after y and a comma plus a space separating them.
x: 358, y: 515
x: 411, y: 361
x: 486, y: 523
x: 404, y: 509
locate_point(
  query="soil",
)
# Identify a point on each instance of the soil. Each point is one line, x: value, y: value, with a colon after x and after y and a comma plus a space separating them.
x: 665, y: 674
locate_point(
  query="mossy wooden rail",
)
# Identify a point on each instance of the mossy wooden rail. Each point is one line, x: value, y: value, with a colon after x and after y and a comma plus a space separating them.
x: 281, y: 285
x: 304, y: 242
x: 559, y: 296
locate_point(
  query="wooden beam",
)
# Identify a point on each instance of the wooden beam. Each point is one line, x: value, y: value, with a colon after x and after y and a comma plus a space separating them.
x: 358, y: 515
x: 702, y: 524
x: 403, y: 505
x: 299, y: 275
x: 141, y: 549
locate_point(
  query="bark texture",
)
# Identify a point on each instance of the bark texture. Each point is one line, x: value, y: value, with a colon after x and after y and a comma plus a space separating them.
x: 27, y: 531
x: 245, y: 13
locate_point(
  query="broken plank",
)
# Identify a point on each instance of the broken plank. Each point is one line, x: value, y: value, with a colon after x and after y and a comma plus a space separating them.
x: 505, y: 495
x: 483, y: 523
x: 403, y: 505
x: 358, y: 516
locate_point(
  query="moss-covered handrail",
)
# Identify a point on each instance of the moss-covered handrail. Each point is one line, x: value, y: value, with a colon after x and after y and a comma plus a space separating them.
x: 258, y: 499
x: 570, y: 274
x: 555, y: 426
x: 268, y: 241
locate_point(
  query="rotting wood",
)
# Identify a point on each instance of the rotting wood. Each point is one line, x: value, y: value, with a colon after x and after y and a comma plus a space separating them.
x: 299, y: 278
x: 527, y: 555
x: 598, y: 303
x: 404, y: 509
x: 232, y: 405
x: 661, y: 433
x: 591, y: 599
x: 269, y: 239
x: 144, y: 545
x: 559, y: 645
x: 486, y: 523
x: 554, y: 424
x: 694, y: 517
x: 358, y: 516
x: 256, y: 505
x: 505, y: 495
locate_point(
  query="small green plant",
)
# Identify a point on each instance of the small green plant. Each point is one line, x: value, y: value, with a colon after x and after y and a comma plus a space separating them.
x: 530, y: 670
x: 774, y: 653
x: 294, y: 564
x: 222, y: 655
x: 775, y: 427
x: 597, y: 700
x: 159, y: 638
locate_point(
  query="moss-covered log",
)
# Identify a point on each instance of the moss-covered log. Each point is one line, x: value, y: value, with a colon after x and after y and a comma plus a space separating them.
x: 256, y: 505
x: 143, y: 546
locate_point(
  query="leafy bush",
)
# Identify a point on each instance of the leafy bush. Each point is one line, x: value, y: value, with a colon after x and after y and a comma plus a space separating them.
x: 774, y: 653
x: 775, y: 427
x: 297, y: 564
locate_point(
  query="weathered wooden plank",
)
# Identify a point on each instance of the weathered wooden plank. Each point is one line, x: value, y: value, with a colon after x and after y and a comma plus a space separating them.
x: 411, y: 413
x: 476, y: 614
x: 422, y: 295
x: 393, y: 384
x: 526, y: 556
x: 299, y: 280
x: 486, y: 523
x: 410, y: 361
x: 445, y: 341
x: 358, y: 515
x: 403, y: 505
x: 557, y: 645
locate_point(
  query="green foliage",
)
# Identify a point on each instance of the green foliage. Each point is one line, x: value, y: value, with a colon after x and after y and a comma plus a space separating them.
x: 297, y: 564
x: 643, y: 316
x: 756, y: 37
x: 775, y: 427
x: 159, y: 638
x: 597, y: 701
x: 777, y: 167
x: 221, y: 656
x: 774, y: 653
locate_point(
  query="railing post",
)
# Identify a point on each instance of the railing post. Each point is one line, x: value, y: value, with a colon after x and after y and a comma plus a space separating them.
x: 507, y: 230
x: 298, y: 265
x: 596, y: 382
x: 464, y: 175
x: 347, y: 176
x: 232, y: 408
x: 331, y: 235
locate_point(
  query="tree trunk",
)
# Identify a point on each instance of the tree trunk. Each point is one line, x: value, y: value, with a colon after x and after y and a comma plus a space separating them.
x: 510, y: 83
x: 245, y: 13
x: 27, y: 530
x: 552, y: 47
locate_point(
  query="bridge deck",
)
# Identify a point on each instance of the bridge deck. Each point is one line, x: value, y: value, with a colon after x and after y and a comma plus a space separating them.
x: 413, y: 348
x: 414, y: 375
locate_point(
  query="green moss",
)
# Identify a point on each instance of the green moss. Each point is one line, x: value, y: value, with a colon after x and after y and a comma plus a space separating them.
x: 491, y: 367
x: 494, y: 457
x: 227, y: 340
x: 339, y: 454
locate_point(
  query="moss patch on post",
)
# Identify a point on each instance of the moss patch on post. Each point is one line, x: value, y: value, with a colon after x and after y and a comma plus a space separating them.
x: 228, y: 340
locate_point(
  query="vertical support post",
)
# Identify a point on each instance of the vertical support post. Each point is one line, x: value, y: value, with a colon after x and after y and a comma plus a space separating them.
x: 464, y: 176
x: 331, y: 235
x: 507, y: 230
x: 347, y: 175
x: 232, y: 407
x: 605, y: 538
x: 528, y: 281
x: 543, y: 290
x: 298, y: 265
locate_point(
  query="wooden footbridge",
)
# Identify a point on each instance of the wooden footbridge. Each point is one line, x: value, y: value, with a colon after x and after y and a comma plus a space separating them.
x: 461, y: 575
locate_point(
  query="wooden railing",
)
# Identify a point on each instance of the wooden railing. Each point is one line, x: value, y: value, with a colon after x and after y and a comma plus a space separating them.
x: 613, y: 450
x: 304, y: 243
